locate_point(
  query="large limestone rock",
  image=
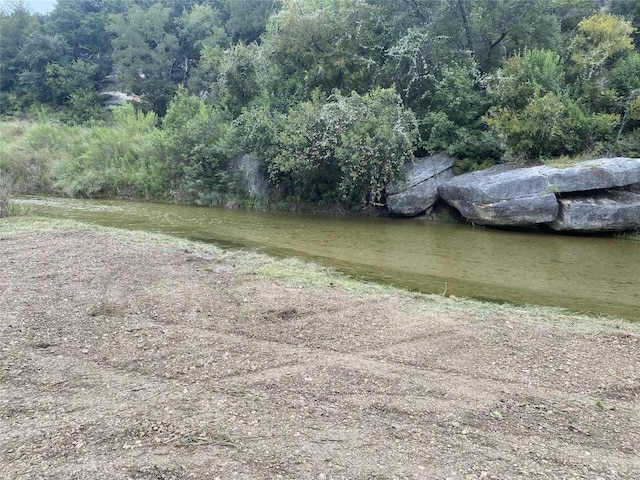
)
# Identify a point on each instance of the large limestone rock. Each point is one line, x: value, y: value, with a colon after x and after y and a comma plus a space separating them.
x: 597, y: 174
x: 598, y: 212
x: 500, y: 196
x: 250, y: 177
x: 419, y: 191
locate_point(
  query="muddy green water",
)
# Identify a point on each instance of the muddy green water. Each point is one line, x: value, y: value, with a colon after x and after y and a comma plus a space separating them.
x: 584, y: 274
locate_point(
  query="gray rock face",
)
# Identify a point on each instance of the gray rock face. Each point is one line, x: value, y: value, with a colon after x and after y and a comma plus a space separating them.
x: 250, y: 177
x: 597, y: 174
x: 503, y: 197
x: 500, y: 196
x: 599, y: 212
x: 419, y: 191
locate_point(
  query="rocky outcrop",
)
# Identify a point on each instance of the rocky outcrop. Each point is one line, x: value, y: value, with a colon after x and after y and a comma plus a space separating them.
x: 500, y: 196
x: 524, y: 197
x: 594, y: 175
x: 603, y: 211
x: 419, y: 190
x: 250, y: 178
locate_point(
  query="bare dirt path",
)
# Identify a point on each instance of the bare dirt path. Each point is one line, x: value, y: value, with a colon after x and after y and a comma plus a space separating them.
x: 125, y: 357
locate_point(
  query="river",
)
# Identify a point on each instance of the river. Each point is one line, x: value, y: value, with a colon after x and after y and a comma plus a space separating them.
x: 597, y: 275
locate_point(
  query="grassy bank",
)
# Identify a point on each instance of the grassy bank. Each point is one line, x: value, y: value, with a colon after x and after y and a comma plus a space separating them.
x: 145, y: 352
x: 297, y: 273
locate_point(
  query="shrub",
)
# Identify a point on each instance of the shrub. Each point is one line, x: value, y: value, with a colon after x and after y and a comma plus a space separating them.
x: 551, y: 126
x: 26, y: 153
x: 345, y: 149
x: 110, y: 161
x: 194, y: 148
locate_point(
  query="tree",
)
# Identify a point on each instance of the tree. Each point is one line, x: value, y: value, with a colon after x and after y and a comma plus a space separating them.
x: 488, y: 30
x: 81, y: 23
x: 16, y: 25
x: 246, y: 21
x: 145, y: 51
x: 37, y: 53
x: 528, y: 75
x: 194, y: 150
x: 630, y: 10
x: 600, y: 39
x: 72, y: 86
x: 536, y: 112
x: 550, y: 126
x: 495, y: 29
x: 323, y: 44
x: 346, y: 149
x: 571, y: 12
x: 232, y: 76
x: 453, y: 124
x: 417, y: 62
x: 198, y: 26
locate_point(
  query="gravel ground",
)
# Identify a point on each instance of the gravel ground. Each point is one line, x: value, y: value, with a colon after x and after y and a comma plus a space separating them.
x: 123, y: 356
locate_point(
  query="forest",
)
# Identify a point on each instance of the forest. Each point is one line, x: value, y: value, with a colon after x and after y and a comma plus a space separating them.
x: 330, y: 97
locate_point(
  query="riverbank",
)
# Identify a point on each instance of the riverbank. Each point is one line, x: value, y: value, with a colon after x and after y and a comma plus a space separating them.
x: 131, y: 355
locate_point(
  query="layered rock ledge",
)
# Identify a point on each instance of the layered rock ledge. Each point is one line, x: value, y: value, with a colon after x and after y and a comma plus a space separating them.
x: 419, y: 189
x: 585, y: 197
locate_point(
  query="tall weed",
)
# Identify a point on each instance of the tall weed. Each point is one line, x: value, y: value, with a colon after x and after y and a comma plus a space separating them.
x: 25, y: 154
x: 112, y: 161
x: 4, y: 199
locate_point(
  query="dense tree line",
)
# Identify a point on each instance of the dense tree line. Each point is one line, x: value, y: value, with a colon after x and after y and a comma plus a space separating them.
x: 332, y: 96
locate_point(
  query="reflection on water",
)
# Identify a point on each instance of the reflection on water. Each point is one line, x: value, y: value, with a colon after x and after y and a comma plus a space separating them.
x: 590, y: 274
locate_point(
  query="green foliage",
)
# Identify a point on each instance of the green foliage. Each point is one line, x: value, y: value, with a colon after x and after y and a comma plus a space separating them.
x: 82, y: 24
x: 72, y: 86
x: 232, y: 76
x: 322, y: 45
x: 26, y: 152
x: 486, y: 30
x: 195, y: 148
x: 495, y: 29
x: 418, y: 60
x: 199, y: 25
x: 625, y: 75
x: 145, y: 48
x: 39, y: 51
x: 523, y: 77
x: 4, y: 202
x: 309, y: 86
x: 346, y: 149
x: 15, y: 28
x: 600, y: 39
x: 246, y: 21
x: 454, y: 123
x: 551, y: 126
x: 110, y: 161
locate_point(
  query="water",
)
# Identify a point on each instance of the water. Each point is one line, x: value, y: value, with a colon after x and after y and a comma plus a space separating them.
x: 599, y: 275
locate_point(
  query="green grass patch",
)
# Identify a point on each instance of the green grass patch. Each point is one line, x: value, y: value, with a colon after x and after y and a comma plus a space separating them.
x: 250, y: 265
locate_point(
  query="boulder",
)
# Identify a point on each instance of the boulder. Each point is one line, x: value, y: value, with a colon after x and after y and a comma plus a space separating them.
x: 597, y: 174
x: 521, y: 197
x: 249, y: 175
x: 501, y: 196
x: 598, y: 212
x: 419, y: 190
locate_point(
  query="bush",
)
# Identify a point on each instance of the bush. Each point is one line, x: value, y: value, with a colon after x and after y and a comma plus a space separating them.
x: 111, y: 161
x: 194, y: 148
x: 345, y: 149
x: 26, y: 153
x: 551, y: 126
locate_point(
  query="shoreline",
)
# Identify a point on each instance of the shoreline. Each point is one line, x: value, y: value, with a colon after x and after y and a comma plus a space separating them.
x: 137, y: 355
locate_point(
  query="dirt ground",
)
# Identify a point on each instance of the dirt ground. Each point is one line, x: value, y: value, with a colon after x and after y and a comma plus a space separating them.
x: 125, y: 358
